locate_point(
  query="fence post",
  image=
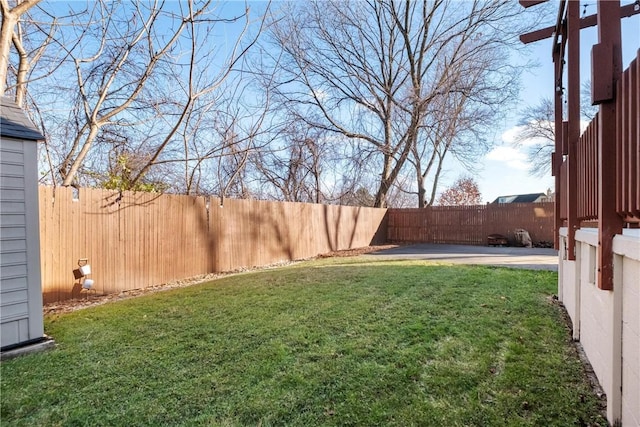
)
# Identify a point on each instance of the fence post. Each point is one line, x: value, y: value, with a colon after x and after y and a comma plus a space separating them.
x: 610, y: 223
x: 573, y: 100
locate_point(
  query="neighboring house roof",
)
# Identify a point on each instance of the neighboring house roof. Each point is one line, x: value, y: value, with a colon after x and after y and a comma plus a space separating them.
x: 14, y: 123
x: 520, y: 198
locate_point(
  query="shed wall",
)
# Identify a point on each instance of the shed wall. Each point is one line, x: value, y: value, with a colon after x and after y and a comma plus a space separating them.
x: 20, y: 290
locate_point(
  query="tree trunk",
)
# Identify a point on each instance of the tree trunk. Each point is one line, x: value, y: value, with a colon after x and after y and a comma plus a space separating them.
x: 421, y: 190
x: 23, y: 69
x: 9, y: 21
x: 10, y: 18
x: 68, y: 179
x: 381, y: 195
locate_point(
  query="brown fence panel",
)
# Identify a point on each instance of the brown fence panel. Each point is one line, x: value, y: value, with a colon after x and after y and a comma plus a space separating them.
x: 470, y: 225
x: 587, y: 165
x: 457, y: 224
x: 628, y: 142
x: 536, y: 218
x: 564, y: 188
x: 134, y: 240
x: 251, y: 233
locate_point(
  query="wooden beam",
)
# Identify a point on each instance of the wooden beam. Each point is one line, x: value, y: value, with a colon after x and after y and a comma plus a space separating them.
x: 573, y: 119
x: 609, y: 222
x: 534, y: 36
x: 529, y: 3
x: 557, y: 154
x: 558, y: 52
x: 586, y: 22
x: 561, y: 22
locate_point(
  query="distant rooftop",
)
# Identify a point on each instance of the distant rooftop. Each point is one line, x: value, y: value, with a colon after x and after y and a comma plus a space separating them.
x: 521, y: 198
x: 14, y: 123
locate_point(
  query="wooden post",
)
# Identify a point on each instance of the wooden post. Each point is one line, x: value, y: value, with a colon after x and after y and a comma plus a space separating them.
x: 605, y: 72
x: 556, y: 162
x: 573, y: 117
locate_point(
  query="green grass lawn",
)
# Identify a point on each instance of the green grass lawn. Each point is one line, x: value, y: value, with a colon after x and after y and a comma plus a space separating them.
x: 327, y: 342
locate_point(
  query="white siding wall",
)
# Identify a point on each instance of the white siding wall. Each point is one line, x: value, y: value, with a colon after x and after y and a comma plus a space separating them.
x: 569, y: 291
x: 628, y: 259
x: 608, y: 321
x: 20, y: 291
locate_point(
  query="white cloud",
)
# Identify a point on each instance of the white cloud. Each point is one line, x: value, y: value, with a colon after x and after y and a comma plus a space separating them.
x: 509, y: 136
x: 511, y: 156
x: 319, y: 93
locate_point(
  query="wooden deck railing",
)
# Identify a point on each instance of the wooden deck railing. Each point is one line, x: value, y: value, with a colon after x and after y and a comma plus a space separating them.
x: 628, y: 143
x: 587, y: 163
x: 627, y: 146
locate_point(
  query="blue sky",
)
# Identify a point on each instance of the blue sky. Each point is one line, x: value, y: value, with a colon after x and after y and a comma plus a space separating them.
x: 505, y: 170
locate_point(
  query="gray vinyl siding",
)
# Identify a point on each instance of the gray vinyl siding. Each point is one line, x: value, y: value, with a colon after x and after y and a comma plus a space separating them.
x: 20, y: 290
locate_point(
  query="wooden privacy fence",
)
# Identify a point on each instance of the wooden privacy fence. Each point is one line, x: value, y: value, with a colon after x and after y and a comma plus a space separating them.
x: 470, y: 225
x: 134, y: 240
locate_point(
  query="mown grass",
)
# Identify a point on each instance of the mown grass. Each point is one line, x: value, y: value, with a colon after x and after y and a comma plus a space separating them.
x: 329, y: 342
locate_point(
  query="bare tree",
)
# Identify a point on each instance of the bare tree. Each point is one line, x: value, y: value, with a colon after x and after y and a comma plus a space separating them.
x: 537, y: 130
x: 455, y: 128
x: 8, y: 36
x: 537, y: 134
x: 464, y: 192
x: 236, y: 54
x: 293, y: 171
x: 111, y: 79
x: 142, y: 70
x: 219, y: 136
x: 457, y: 121
x: 369, y: 70
x: 360, y: 197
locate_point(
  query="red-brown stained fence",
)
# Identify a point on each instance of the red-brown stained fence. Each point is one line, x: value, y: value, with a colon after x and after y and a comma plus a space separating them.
x: 587, y: 164
x: 564, y: 207
x: 628, y: 142
x: 470, y: 225
x: 627, y: 146
x: 144, y: 239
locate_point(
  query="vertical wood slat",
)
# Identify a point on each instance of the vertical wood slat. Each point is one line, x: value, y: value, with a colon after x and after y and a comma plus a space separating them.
x: 635, y: 131
x: 621, y: 152
x: 587, y: 159
x: 628, y: 142
x: 634, y: 114
x: 564, y: 187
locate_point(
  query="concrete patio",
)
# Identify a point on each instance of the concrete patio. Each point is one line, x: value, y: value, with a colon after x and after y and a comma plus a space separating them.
x: 527, y: 258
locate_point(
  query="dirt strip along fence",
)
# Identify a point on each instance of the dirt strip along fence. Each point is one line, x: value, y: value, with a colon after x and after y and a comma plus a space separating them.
x: 470, y: 225
x: 135, y: 240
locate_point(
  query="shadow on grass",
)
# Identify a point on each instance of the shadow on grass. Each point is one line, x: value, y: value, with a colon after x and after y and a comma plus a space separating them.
x: 329, y: 342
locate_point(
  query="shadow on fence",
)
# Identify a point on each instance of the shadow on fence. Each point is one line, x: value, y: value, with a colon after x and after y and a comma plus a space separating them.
x: 135, y: 240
